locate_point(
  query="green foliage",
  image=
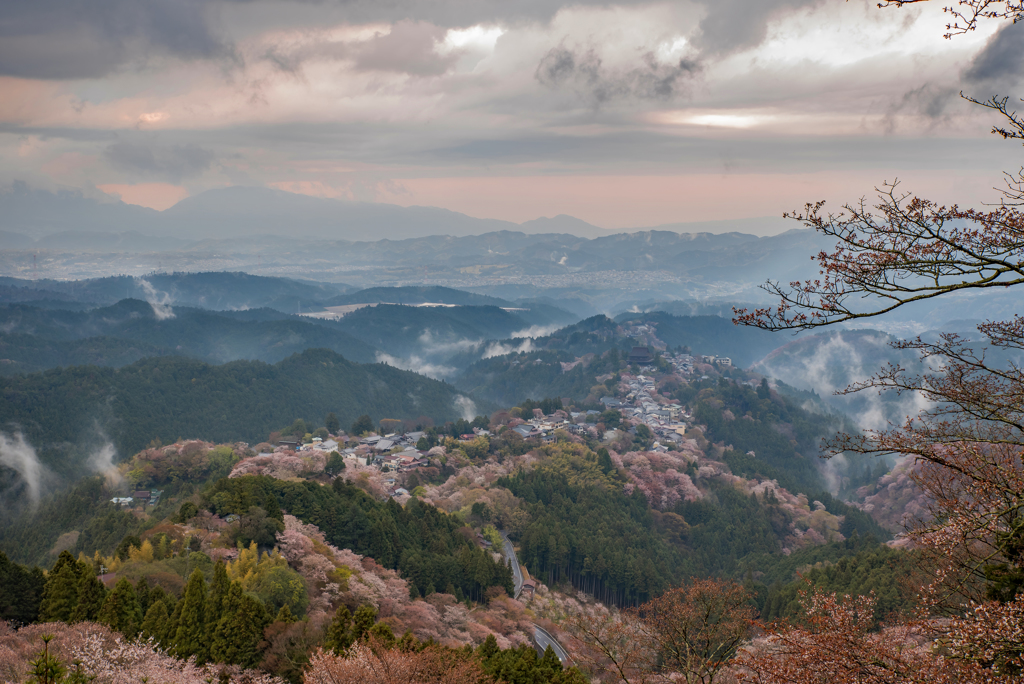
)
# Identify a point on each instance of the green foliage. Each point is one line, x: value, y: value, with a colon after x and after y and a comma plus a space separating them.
x: 362, y: 425
x: 708, y: 335
x: 521, y: 665
x: 129, y: 541
x: 21, y: 590
x: 121, y: 610
x: 596, y: 537
x: 335, y: 463
x: 236, y: 639
x: 784, y: 438
x: 155, y: 624
x: 332, y: 423
x: 190, y: 632
x: 128, y: 331
x: 69, y: 582
x: 257, y: 526
x: 46, y: 669
x: 215, y: 602
x: 857, y: 567
x: 85, y: 506
x: 381, y: 632
x: 296, y: 429
x: 362, y: 621
x: 91, y: 596
x: 491, y: 534
x: 339, y: 635
x: 187, y: 511
x: 547, y: 405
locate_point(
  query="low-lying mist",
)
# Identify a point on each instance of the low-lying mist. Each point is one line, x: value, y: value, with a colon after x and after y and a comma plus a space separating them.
x: 33, y: 479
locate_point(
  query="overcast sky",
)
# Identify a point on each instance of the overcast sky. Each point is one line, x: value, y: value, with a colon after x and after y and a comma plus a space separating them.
x: 625, y: 115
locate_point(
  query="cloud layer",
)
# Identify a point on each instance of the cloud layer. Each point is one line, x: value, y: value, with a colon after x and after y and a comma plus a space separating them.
x: 573, y: 108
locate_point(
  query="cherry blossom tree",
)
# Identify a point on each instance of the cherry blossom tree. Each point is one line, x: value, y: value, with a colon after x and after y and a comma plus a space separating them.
x: 967, y: 447
x: 839, y: 644
x: 371, y: 663
x: 698, y: 627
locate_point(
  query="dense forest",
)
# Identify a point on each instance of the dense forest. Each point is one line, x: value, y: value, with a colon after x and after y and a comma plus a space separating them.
x: 586, y: 529
x: 36, y: 339
x: 208, y: 290
x: 169, y: 397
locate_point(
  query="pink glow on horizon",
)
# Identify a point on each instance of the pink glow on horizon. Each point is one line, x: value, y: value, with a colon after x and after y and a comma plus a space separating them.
x: 616, y: 202
x: 157, y: 196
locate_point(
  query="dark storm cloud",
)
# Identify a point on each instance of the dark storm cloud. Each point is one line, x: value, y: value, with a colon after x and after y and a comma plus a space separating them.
x: 928, y: 100
x: 69, y: 39
x: 171, y: 163
x: 60, y: 39
x: 583, y: 72
x: 731, y: 25
x: 1002, y: 60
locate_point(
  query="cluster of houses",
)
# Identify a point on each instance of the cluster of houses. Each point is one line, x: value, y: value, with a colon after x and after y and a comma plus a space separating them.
x: 382, y: 451
x: 544, y: 427
x: 142, y: 497
x: 666, y: 420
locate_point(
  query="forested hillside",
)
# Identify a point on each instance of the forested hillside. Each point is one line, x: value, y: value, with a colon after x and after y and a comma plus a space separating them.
x: 207, y: 290
x: 35, y: 339
x: 165, y: 398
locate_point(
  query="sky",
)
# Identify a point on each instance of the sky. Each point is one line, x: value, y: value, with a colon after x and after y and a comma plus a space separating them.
x: 625, y: 114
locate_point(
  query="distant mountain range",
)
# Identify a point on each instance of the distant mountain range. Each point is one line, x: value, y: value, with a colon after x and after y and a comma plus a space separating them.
x: 240, y: 211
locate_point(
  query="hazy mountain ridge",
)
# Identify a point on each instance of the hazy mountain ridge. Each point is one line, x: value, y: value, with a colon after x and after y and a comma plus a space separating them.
x: 196, y: 333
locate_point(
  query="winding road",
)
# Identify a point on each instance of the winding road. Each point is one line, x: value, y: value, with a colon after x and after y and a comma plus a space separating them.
x: 510, y: 556
x: 541, y: 637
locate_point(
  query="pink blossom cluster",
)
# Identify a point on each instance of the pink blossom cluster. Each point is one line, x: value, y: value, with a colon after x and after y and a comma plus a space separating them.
x: 109, y: 658
x: 282, y: 464
x: 185, y: 460
x: 895, y: 501
x: 470, y: 485
x: 440, y: 617
x: 657, y: 476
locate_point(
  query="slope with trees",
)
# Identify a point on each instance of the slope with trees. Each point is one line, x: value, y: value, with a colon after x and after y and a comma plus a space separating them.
x: 168, y: 397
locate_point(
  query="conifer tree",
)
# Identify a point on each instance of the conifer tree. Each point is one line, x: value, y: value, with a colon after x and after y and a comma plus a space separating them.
x: 218, y: 595
x: 362, y: 621
x: 550, y: 661
x: 487, y: 649
x: 285, y: 615
x: 121, y: 610
x: 339, y: 635
x: 190, y: 632
x: 239, y: 632
x: 142, y: 591
x: 172, y: 624
x: 220, y: 636
x: 272, y: 508
x: 60, y: 594
x: 21, y: 590
x: 156, y: 622
x: 383, y: 634
x: 91, y: 595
